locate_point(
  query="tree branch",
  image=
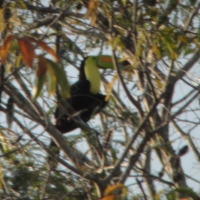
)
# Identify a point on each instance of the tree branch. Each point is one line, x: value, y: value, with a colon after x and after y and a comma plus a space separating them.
x: 132, y: 100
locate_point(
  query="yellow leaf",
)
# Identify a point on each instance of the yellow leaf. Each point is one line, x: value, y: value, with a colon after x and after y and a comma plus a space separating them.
x: 52, y: 79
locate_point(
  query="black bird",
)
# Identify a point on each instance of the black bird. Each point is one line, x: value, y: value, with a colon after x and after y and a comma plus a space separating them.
x: 85, y: 100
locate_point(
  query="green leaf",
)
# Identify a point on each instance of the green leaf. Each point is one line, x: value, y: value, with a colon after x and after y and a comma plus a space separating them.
x: 57, y: 74
x: 36, y: 91
x: 51, y: 77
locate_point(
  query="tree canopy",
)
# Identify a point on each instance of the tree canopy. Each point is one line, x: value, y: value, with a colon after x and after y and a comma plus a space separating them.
x: 145, y: 142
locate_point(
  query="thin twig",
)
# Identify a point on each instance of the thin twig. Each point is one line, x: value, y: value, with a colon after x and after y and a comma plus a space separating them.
x: 140, y: 185
x: 132, y: 100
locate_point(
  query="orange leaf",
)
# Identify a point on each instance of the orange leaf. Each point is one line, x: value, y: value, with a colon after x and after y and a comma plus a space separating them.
x: 42, y: 66
x: 92, y: 10
x: 93, y: 19
x: 27, y: 51
x: 45, y: 47
x: 6, y: 46
x: 92, y: 7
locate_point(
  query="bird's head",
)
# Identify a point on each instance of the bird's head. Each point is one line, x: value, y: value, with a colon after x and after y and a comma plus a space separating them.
x: 91, y: 72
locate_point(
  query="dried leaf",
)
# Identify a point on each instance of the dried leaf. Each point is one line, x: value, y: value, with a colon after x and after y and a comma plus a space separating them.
x: 27, y: 51
x: 92, y: 7
x: 42, y: 66
x: 92, y: 11
x: 5, y: 48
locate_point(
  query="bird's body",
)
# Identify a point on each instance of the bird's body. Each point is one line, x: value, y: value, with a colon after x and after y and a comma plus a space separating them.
x: 83, y: 105
x: 82, y: 102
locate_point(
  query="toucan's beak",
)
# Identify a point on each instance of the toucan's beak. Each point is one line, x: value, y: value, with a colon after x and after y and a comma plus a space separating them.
x: 105, y: 59
x: 105, y: 62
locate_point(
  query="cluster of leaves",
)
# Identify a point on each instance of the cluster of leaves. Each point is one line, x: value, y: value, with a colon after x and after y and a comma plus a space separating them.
x: 45, y: 67
x: 153, y: 36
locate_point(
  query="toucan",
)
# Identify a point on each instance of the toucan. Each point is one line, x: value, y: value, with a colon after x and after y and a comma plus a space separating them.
x: 85, y: 99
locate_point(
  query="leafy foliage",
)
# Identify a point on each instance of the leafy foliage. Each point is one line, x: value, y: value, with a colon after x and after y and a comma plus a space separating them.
x: 142, y: 144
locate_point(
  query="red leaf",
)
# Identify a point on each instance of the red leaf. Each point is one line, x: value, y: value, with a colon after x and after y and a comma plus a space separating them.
x: 27, y: 51
x: 45, y: 47
x: 5, y: 48
x: 42, y: 66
